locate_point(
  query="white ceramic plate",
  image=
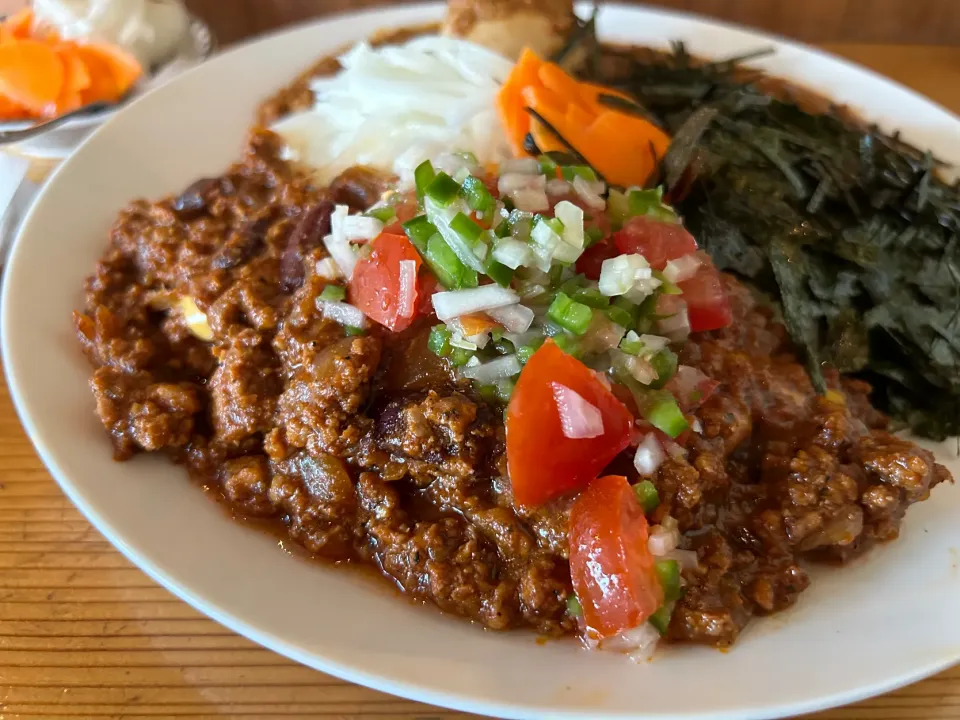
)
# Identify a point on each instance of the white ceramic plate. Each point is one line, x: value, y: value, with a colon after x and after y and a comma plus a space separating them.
x: 888, y: 620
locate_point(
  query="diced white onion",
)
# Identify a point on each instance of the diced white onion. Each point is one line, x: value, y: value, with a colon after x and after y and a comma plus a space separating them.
x: 572, y: 218
x: 697, y: 426
x: 578, y: 417
x: 457, y: 340
x: 490, y: 372
x: 649, y: 455
x: 662, y: 540
x: 511, y: 182
x: 441, y: 218
x: 531, y: 290
x: 523, y: 166
x: 408, y: 287
x: 454, y: 303
x: 652, y: 344
x: 619, y: 275
x: 677, y: 326
x: 556, y: 186
x: 674, y: 450
x: 683, y: 268
x: 641, y: 370
x: 328, y: 269
x: 361, y: 227
x: 337, y: 244
x: 514, y: 318
x: 344, y: 313
x: 523, y: 338
x: 589, y: 192
x: 512, y: 253
x: 545, y: 242
x: 473, y: 362
x: 686, y: 558
x: 687, y: 380
x: 531, y: 200
x: 638, y: 643
x: 602, y: 335
x: 452, y: 163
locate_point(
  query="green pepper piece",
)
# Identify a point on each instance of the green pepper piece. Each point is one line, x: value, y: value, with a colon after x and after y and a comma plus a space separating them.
x: 439, y: 341
x: 422, y: 177
x: 665, y: 363
x: 647, y: 494
x: 333, y: 293
x: 419, y: 230
x: 569, y: 314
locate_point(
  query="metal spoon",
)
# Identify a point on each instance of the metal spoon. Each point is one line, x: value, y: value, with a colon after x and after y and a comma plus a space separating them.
x: 9, y: 137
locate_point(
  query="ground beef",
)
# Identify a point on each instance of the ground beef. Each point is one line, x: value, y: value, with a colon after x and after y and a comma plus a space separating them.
x: 368, y: 448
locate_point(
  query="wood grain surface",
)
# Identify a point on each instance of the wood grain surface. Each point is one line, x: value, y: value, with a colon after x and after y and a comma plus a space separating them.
x: 83, y: 634
x: 886, y: 21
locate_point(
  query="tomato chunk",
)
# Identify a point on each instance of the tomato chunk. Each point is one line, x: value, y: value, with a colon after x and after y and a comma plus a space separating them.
x: 543, y: 462
x: 658, y: 242
x: 610, y: 565
x: 708, y: 307
x: 375, y: 286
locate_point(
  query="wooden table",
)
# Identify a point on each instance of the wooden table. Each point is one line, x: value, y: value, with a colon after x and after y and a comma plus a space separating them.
x: 83, y: 634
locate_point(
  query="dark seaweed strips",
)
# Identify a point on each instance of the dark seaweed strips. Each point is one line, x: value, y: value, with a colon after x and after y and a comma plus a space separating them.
x: 853, y: 230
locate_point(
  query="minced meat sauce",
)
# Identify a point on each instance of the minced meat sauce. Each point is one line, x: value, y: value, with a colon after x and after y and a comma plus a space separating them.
x: 367, y: 449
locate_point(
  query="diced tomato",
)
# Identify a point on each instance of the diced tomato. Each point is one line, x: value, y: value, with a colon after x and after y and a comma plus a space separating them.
x: 707, y: 305
x: 610, y: 565
x: 375, y: 286
x: 426, y: 287
x: 658, y: 242
x: 591, y: 261
x: 543, y: 462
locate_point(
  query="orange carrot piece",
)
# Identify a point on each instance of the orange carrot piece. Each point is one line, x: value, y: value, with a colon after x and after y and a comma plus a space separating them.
x: 633, y: 157
x: 31, y: 75
x: 103, y: 86
x: 18, y: 26
x: 124, y: 67
x: 554, y: 78
x: 476, y: 324
x: 76, y: 74
x: 510, y: 104
x: 9, y: 110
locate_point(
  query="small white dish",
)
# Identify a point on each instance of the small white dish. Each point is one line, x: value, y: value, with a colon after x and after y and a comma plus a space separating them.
x: 197, y: 45
x: 887, y: 620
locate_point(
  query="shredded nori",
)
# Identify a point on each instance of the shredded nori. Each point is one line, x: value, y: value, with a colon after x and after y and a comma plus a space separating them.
x: 853, y: 230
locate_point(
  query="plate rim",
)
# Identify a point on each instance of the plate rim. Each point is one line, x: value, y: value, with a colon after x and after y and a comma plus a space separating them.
x: 378, y: 681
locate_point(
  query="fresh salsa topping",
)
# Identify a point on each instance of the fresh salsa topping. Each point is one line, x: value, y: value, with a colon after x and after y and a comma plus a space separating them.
x: 566, y: 301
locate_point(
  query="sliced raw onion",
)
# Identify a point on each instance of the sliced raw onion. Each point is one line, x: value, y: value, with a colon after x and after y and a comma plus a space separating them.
x: 522, y: 166
x: 649, y: 456
x: 490, y: 372
x: 578, y: 417
x: 556, y: 186
x: 344, y: 313
x: 683, y: 268
x: 361, y: 227
x: 514, y: 318
x: 454, y: 303
x: 457, y: 340
x: 663, y: 540
x: 602, y: 335
x: 337, y: 244
x: 408, y: 288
